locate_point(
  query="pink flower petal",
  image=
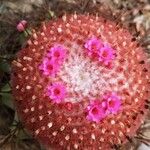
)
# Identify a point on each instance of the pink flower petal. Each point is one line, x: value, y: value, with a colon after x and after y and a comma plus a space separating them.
x: 57, y: 92
x: 96, y: 112
x: 21, y: 26
x: 57, y: 53
x: 93, y: 45
x: 113, y: 102
x: 49, y: 67
x: 106, y: 54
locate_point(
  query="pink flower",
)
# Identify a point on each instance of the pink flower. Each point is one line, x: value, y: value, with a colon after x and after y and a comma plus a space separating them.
x: 57, y: 53
x: 49, y: 67
x: 113, y: 103
x: 106, y: 54
x: 96, y: 112
x: 57, y: 92
x: 93, y: 45
x: 21, y: 26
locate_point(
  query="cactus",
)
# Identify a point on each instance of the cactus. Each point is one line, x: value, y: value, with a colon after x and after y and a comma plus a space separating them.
x: 81, y: 83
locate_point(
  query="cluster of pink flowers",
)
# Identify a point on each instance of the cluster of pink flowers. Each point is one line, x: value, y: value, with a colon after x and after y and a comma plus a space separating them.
x: 96, y: 48
x: 99, y: 109
x: 50, y: 66
x: 53, y: 60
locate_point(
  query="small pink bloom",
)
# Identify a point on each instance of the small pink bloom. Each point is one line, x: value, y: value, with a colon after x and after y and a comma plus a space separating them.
x: 113, y: 103
x: 96, y: 112
x: 57, y: 53
x: 49, y: 67
x: 93, y: 45
x: 106, y: 54
x: 57, y: 92
x: 21, y: 26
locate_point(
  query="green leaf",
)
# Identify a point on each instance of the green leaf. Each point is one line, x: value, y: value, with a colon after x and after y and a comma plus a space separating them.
x: 7, y: 99
x: 27, y: 32
x: 50, y: 14
x: 5, y: 66
x: 6, y: 88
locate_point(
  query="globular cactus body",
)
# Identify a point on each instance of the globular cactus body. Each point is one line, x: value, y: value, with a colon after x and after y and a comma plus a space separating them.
x: 81, y: 83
